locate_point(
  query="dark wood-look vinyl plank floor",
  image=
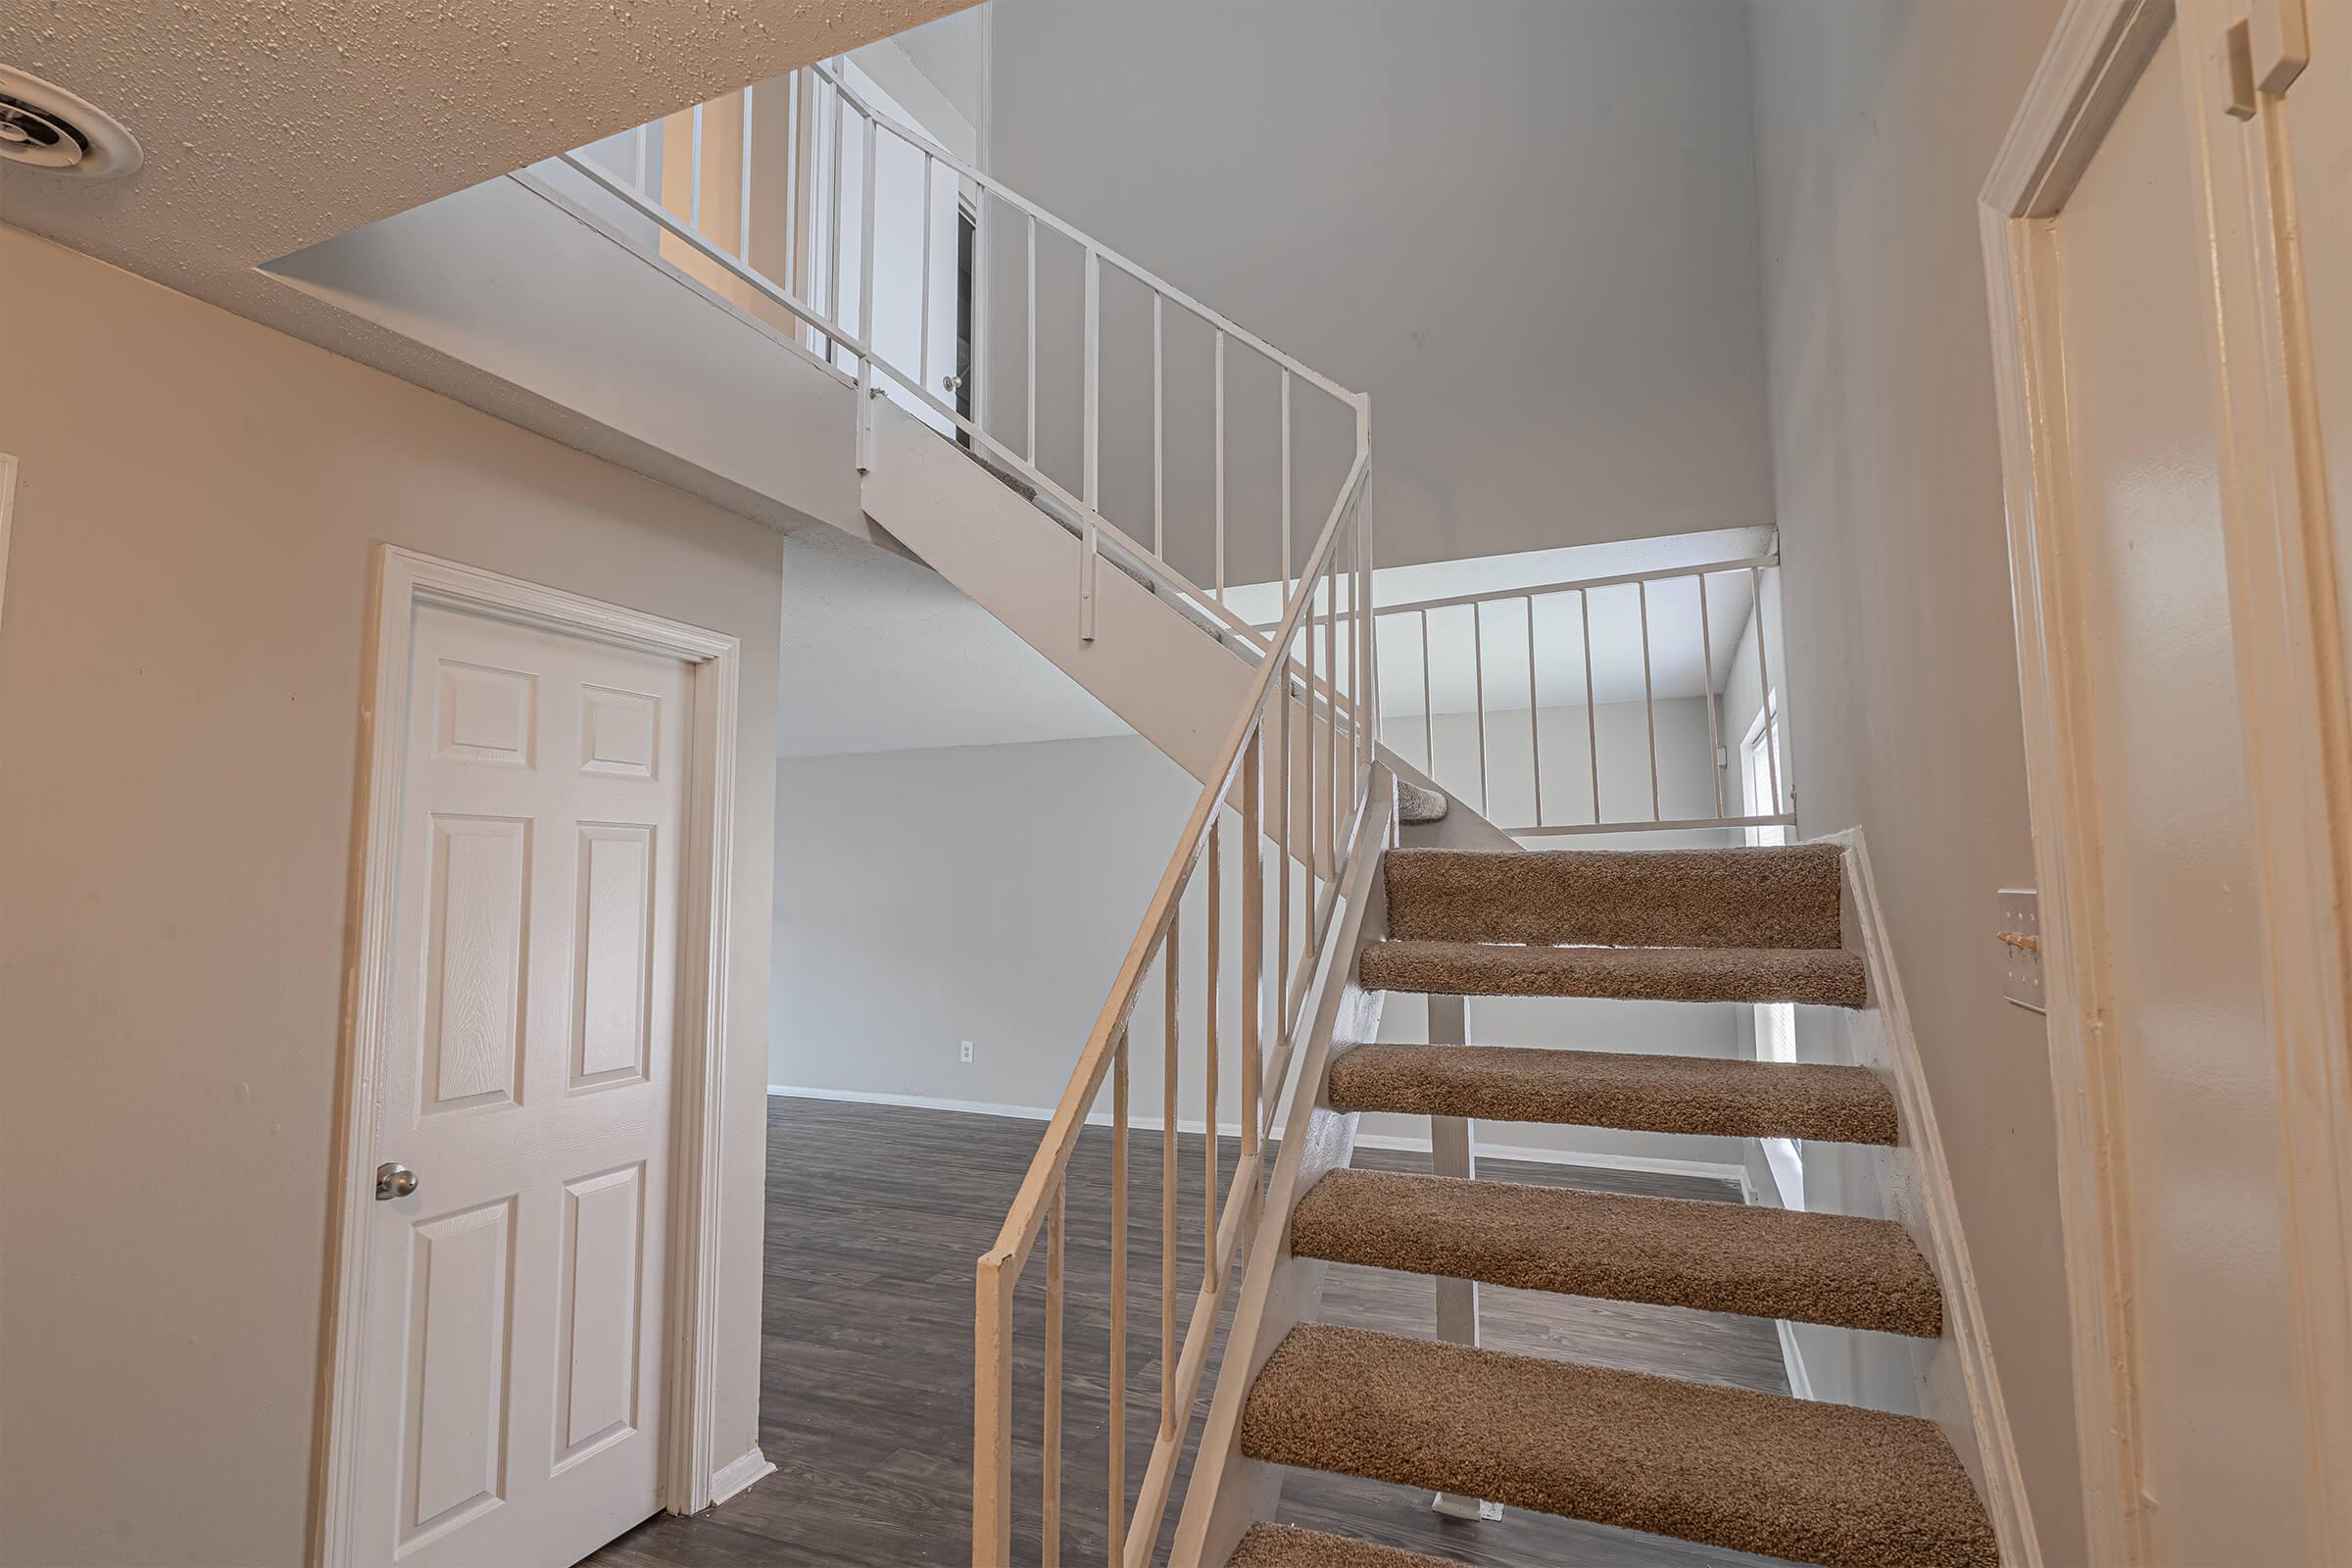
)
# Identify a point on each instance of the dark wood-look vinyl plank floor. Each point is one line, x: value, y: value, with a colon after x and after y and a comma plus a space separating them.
x: 876, y: 1216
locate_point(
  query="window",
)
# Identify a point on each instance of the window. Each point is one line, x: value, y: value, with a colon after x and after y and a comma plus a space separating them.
x: 1764, y: 780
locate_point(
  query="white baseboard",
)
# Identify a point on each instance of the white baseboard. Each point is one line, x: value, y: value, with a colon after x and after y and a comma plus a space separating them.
x: 1961, y: 1389
x: 1793, y: 1359
x: 1704, y: 1169
x: 738, y: 1474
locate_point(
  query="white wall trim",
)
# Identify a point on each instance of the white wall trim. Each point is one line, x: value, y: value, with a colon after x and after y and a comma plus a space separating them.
x: 404, y: 580
x: 738, y: 1473
x: 2294, y: 659
x: 1708, y: 1170
x: 1973, y: 1414
x: 7, y: 514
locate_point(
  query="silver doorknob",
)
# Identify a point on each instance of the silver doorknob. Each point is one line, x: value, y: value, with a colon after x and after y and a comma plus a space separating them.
x: 394, y: 1181
x: 952, y: 384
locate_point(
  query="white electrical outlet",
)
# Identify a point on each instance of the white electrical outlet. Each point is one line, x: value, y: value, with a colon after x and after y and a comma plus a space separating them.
x: 967, y: 1051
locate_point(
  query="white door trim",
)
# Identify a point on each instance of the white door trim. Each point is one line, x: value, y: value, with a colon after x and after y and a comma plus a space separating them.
x: 2292, y: 684
x: 404, y: 580
x: 2094, y: 58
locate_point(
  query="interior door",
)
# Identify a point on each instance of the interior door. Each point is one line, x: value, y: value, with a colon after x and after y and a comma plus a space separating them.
x: 2166, y: 792
x: 514, y: 1387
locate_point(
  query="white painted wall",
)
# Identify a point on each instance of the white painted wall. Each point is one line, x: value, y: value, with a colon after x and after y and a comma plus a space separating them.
x: 1875, y: 127
x: 179, y: 671
x: 988, y: 893
x: 1528, y: 230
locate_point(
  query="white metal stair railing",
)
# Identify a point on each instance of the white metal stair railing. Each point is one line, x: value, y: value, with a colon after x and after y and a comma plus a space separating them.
x: 1293, y: 775
x: 829, y: 120
x: 1412, y: 721
x: 1296, y: 770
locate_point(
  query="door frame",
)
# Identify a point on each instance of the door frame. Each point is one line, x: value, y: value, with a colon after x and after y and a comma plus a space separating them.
x: 2296, y: 732
x: 404, y: 581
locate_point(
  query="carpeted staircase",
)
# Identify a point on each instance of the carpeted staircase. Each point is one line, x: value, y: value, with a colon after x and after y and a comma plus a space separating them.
x: 1733, y: 1468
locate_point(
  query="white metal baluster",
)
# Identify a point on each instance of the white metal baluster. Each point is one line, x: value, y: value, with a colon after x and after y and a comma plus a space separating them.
x: 1583, y: 614
x: 1307, y: 632
x: 645, y: 158
x: 1706, y: 649
x: 922, y: 366
x: 1331, y: 730
x: 1535, y: 708
x: 1282, y: 803
x: 833, y: 235
x: 1477, y: 666
x: 1359, y: 675
x: 865, y: 303
x: 1090, y: 556
x: 694, y: 172
x: 1220, y: 442
x: 1371, y: 629
x: 743, y: 211
x: 1650, y: 707
x: 1159, y: 438
x: 1033, y: 341
x: 1772, y: 757
x: 1429, y: 715
x: 983, y: 306
x: 1286, y: 484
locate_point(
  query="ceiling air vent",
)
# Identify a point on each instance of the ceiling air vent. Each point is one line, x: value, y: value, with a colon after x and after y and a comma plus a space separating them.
x: 48, y: 128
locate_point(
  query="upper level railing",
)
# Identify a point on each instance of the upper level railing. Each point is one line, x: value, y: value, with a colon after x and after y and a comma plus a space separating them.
x: 853, y: 213
x: 1626, y: 704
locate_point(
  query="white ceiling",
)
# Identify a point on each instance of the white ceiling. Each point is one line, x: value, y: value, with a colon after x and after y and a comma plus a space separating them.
x: 883, y: 654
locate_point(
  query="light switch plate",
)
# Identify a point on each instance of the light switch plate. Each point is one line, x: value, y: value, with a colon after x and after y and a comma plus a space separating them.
x: 2020, y: 937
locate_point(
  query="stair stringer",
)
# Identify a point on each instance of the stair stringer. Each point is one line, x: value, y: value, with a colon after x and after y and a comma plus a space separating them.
x: 1177, y: 683
x: 1228, y: 1492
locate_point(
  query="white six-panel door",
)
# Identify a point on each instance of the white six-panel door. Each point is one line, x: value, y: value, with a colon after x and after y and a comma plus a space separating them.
x: 514, y: 1365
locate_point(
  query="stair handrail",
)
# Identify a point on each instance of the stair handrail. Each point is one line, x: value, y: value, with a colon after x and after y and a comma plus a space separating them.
x: 811, y: 84
x: 1331, y: 718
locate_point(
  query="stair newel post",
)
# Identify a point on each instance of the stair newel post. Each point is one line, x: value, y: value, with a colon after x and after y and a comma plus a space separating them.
x: 1056, y: 1234
x: 992, y: 1413
x: 1212, y: 1264
x: 1116, y: 1514
x: 1168, y: 1193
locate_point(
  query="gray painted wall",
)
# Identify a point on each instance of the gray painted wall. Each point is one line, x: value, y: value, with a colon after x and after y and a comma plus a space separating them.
x: 1528, y: 230
x: 1875, y: 127
x: 987, y: 894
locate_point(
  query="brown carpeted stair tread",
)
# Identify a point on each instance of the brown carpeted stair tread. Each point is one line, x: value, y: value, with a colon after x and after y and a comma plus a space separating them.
x: 1782, y: 896
x: 1289, y: 1547
x: 1731, y: 1467
x: 1719, y: 1257
x: 1826, y: 976
x: 1637, y: 1092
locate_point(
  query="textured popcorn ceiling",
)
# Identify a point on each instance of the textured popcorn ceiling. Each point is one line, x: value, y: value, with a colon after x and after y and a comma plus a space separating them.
x: 270, y: 124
